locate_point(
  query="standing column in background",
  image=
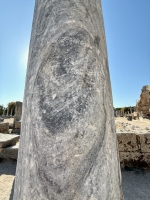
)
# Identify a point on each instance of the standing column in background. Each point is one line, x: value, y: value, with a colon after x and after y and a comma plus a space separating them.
x: 18, y: 111
x: 11, y: 111
x: 8, y: 111
x: 3, y: 112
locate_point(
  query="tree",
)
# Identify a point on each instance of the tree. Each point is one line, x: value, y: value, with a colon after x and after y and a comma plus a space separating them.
x: 1, y: 109
x: 11, y: 105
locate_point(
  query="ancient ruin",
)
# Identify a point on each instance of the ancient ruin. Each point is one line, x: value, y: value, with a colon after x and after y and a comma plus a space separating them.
x: 18, y: 111
x: 133, y: 142
x: 68, y: 146
x: 10, y: 123
x: 143, y: 105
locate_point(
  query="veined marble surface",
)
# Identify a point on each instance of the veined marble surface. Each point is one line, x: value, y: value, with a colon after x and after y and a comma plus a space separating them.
x: 68, y: 147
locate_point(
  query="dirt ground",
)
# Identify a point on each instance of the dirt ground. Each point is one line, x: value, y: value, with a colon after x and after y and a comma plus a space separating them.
x: 143, y: 124
x: 7, y: 175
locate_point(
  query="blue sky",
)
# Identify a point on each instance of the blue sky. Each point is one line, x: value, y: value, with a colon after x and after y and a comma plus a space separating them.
x: 127, y: 27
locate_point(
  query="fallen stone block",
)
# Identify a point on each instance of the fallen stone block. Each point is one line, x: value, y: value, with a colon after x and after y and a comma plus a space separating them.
x: 9, y: 120
x: 8, y: 139
x: 10, y: 152
x: 4, y: 127
x: 127, y: 142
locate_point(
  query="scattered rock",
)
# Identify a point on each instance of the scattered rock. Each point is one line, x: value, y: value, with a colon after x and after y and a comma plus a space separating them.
x: 8, y: 139
x: 10, y: 152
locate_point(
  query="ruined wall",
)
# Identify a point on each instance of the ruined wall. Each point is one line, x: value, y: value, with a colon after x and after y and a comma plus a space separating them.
x: 143, y: 105
x: 134, y: 149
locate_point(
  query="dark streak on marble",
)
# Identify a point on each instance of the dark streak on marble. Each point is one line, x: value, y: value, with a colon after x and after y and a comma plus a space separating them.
x: 68, y: 144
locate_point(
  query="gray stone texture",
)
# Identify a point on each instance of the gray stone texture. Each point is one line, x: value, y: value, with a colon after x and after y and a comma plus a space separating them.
x: 10, y: 152
x: 4, y: 127
x: 145, y: 142
x: 8, y: 140
x: 68, y: 148
x: 127, y: 142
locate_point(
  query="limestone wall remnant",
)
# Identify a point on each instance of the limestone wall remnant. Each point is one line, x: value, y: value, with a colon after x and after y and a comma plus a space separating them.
x: 143, y: 105
x: 4, y: 127
x: 134, y: 149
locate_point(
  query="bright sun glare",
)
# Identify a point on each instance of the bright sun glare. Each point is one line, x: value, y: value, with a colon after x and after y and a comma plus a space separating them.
x: 25, y: 58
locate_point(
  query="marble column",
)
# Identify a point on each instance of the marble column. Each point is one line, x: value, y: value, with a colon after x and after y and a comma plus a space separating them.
x: 130, y: 110
x: 68, y: 148
x: 116, y: 113
x: 3, y: 112
x: 11, y: 113
x: 7, y: 111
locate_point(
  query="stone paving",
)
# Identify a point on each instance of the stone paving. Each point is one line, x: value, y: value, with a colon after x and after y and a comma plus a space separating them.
x: 136, y: 184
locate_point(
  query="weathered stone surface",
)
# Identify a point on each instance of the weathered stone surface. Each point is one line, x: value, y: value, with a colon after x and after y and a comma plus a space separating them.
x: 8, y: 140
x: 134, y: 159
x: 4, y: 127
x: 10, y: 121
x: 68, y: 144
x: 127, y: 142
x: 18, y: 111
x: 10, y: 152
x: 17, y: 125
x: 143, y: 105
x: 145, y: 142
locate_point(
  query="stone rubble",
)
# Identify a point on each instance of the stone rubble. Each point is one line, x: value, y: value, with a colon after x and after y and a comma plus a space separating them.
x: 8, y: 139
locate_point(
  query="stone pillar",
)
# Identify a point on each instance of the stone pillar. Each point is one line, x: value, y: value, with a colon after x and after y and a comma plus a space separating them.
x: 11, y: 112
x: 116, y: 113
x: 18, y: 111
x: 8, y: 111
x: 68, y: 148
x: 3, y: 112
x: 130, y: 110
x: 123, y: 113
